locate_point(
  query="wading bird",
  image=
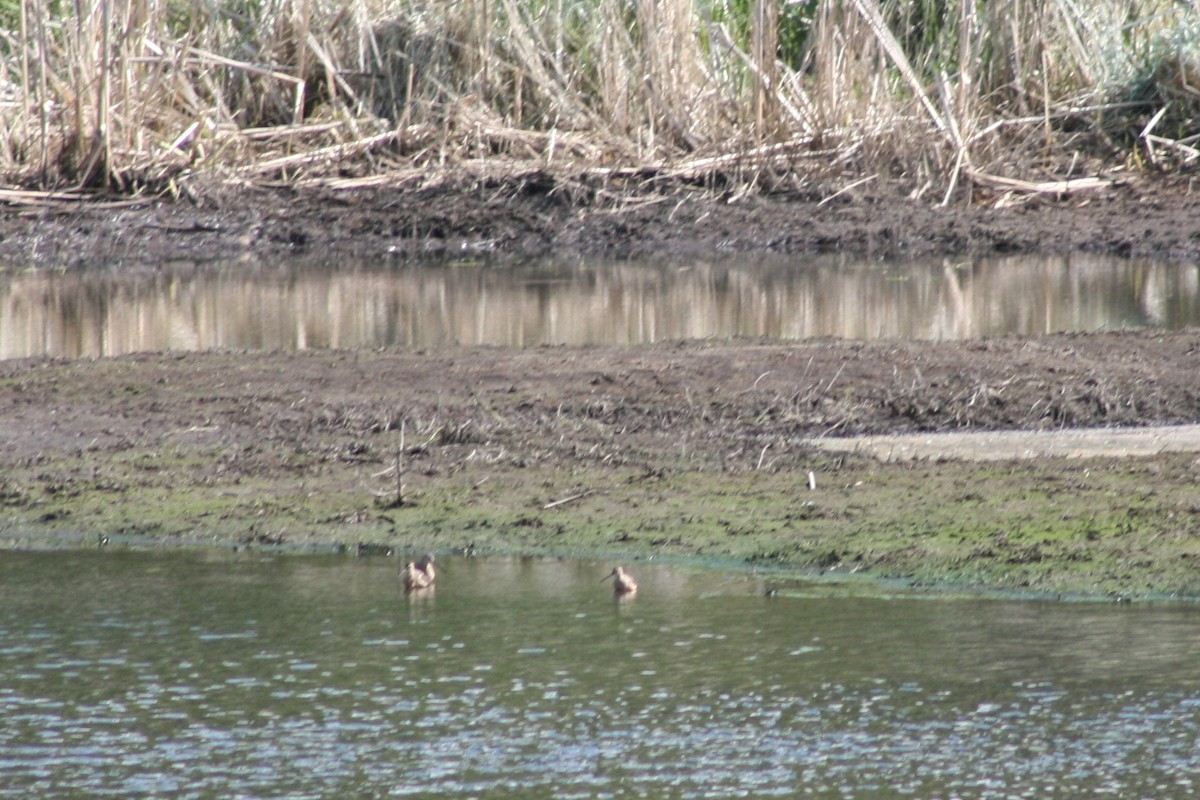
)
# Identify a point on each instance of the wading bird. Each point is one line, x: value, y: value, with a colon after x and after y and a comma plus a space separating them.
x: 419, y: 575
x: 624, y: 583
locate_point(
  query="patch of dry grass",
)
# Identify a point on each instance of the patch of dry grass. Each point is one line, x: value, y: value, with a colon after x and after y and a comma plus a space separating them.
x: 132, y: 95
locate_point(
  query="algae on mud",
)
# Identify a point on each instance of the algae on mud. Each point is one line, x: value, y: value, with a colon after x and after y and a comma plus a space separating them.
x: 697, y: 449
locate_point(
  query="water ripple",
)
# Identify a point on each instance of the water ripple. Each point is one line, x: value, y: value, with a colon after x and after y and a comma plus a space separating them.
x: 574, y: 698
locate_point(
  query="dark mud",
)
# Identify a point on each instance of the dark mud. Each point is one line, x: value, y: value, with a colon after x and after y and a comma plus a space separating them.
x: 532, y: 212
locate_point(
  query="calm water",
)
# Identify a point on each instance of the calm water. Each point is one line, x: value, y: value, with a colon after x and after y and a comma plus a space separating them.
x: 182, y: 675
x: 112, y: 311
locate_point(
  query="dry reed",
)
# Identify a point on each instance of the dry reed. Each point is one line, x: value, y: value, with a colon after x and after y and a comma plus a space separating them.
x: 144, y: 94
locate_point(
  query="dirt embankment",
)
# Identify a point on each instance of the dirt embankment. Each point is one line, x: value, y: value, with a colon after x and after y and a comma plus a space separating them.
x: 534, y: 212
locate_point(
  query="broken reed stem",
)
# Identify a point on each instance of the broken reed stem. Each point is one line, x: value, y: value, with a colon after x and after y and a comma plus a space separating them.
x: 103, y: 102
x: 400, y: 468
x: 762, y: 455
x: 764, y: 35
x: 568, y: 499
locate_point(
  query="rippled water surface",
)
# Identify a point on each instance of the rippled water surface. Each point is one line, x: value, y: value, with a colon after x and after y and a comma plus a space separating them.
x: 109, y: 311
x: 183, y: 675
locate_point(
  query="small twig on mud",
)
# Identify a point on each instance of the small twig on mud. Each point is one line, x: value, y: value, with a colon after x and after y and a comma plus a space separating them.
x: 195, y: 429
x: 759, y: 378
x: 836, y: 375
x: 815, y: 388
x: 1043, y: 187
x: 762, y: 455
x: 565, y: 500
x: 848, y: 188
x: 833, y: 427
x: 634, y: 205
x: 432, y: 436
x: 671, y: 216
x: 917, y: 379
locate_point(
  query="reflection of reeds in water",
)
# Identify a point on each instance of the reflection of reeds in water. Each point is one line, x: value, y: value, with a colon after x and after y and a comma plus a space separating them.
x: 128, y: 92
x: 105, y: 313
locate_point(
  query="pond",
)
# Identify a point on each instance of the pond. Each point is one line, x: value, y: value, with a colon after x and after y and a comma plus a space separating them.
x: 115, y: 310
x: 242, y: 675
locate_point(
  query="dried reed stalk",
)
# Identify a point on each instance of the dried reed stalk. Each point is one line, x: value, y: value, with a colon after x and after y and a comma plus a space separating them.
x: 764, y: 42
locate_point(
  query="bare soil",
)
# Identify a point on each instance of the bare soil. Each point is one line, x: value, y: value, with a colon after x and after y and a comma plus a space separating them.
x: 534, y: 212
x: 687, y: 449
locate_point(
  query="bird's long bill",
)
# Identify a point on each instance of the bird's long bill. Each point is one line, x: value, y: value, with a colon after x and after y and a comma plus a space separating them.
x: 609, y: 575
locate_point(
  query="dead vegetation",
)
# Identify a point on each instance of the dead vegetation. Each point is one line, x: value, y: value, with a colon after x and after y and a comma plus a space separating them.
x: 1013, y: 98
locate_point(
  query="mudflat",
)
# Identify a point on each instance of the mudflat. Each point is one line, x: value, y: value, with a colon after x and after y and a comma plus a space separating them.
x: 702, y: 449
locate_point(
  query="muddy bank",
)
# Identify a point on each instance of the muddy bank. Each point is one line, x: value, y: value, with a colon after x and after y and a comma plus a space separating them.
x: 689, y: 449
x: 532, y: 212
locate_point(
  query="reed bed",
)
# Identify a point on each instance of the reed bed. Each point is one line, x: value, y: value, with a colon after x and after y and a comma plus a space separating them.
x: 1022, y: 95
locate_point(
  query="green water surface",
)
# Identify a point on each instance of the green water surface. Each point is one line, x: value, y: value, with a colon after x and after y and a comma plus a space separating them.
x: 186, y: 674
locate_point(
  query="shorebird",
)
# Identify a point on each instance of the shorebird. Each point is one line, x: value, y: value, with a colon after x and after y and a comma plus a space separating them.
x: 624, y: 583
x: 419, y: 575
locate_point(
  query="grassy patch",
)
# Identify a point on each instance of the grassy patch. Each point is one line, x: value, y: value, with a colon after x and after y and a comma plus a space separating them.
x: 1094, y: 527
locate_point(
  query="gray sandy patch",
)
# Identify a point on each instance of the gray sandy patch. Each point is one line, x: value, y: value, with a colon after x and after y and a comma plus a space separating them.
x: 1003, y: 445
